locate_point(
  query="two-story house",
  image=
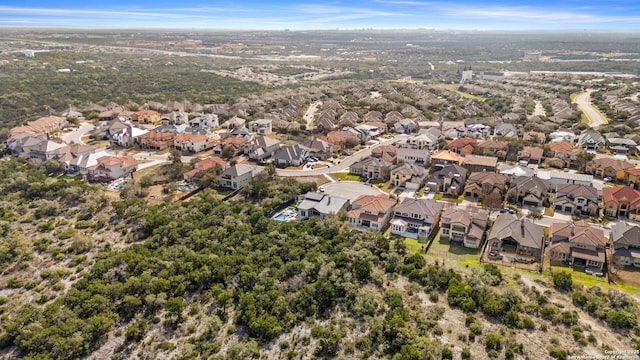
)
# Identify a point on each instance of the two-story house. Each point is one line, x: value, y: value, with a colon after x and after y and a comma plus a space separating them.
x: 290, y: 155
x: 371, y: 212
x: 529, y: 191
x: 192, y: 142
x: 372, y: 169
x: 261, y: 147
x: 449, y: 180
x: 625, y: 239
x: 621, y: 201
x: 408, y: 176
x: 112, y: 167
x: 463, y: 146
x: 319, y: 148
x: 464, y: 226
x: 237, y: 176
x: 514, y: 239
x: 591, y: 140
x: 530, y: 154
x: 261, y: 126
x: 146, y: 116
x: 574, y: 197
x: 478, y: 163
x: 578, y: 244
x: 415, y: 218
x: 493, y: 148
x: 443, y: 158
x: 204, y: 165
x: 609, y: 167
x: 481, y: 184
x: 155, y: 140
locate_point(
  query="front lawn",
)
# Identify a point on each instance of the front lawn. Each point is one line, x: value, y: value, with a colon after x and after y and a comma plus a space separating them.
x: 344, y: 176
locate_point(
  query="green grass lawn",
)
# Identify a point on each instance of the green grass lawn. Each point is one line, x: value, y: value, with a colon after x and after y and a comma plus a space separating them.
x: 344, y: 176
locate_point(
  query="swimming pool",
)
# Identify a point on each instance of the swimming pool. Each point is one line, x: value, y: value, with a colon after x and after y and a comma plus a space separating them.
x: 287, y: 214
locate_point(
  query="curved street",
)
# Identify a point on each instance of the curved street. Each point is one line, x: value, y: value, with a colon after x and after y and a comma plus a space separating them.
x: 596, y: 118
x: 344, y: 163
x: 75, y: 136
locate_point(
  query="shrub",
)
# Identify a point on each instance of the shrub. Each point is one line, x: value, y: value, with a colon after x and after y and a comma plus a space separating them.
x: 562, y: 280
x: 447, y: 353
x: 493, y: 341
x: 466, y: 354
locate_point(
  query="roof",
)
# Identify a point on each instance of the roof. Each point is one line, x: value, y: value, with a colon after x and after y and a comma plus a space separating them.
x: 465, y: 216
x: 516, y: 170
x: 409, y: 169
x: 485, y: 177
x: 377, y: 204
x: 426, y: 207
x: 290, y: 153
x: 210, y: 163
x: 493, y: 144
x: 535, y: 153
x: 446, y: 155
x: 623, y: 234
x: 615, y: 164
x: 560, y: 146
x: 522, y: 231
x: 322, y: 202
x: 479, y: 160
x: 621, y: 194
x: 577, y: 190
x: 579, y: 232
x: 463, y: 142
x: 238, y: 170
x: 549, y: 175
x: 531, y: 183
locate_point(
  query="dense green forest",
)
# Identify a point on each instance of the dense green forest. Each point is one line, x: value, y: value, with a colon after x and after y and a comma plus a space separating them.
x: 196, y: 274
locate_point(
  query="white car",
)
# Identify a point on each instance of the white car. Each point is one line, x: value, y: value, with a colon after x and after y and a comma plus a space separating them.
x: 321, y: 188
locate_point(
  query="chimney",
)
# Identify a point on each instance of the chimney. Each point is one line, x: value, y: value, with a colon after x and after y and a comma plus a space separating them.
x: 573, y: 229
x: 522, y: 226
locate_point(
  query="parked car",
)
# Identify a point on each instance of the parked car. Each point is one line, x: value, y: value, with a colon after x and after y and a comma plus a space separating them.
x: 607, y: 179
x: 321, y: 188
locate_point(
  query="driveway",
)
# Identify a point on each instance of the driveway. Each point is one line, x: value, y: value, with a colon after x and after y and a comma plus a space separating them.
x: 344, y: 164
x: 584, y: 104
x: 350, y: 189
x: 76, y: 135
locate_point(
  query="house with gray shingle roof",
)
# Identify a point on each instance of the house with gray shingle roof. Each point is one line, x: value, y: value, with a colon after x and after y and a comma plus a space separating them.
x: 572, y: 197
x: 464, y: 226
x: 414, y: 218
x: 293, y: 155
x: 319, y: 205
x: 408, y: 176
x: 625, y: 238
x: 530, y: 191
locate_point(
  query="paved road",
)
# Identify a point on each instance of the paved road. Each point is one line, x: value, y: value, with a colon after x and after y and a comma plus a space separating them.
x: 584, y: 104
x: 344, y: 164
x: 76, y: 135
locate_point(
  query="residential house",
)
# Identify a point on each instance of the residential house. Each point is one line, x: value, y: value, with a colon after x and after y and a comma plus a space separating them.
x: 319, y: 148
x: 422, y: 141
x: 534, y: 136
x: 625, y: 240
x: 560, y: 177
x: 47, y: 125
x: 415, y: 218
x: 530, y: 154
x: 146, y: 117
x: 21, y: 145
x: 372, y: 169
x: 261, y: 147
x: 464, y: 226
x: 342, y: 139
x: 478, y: 131
x: 621, y: 201
x: 371, y: 212
x: 463, y: 146
x: 46, y: 150
x: 405, y: 126
x: 385, y: 152
x: 320, y: 205
x: 493, y: 148
x: 530, y: 191
x: 205, y: 121
x: 192, y: 143
x: 574, y: 197
x: 127, y: 137
x: 326, y: 120
x: 261, y: 126
x: 578, y: 244
x: 515, y: 240
x: 155, y: 140
x: 204, y: 165
x: 565, y: 154
x: 372, y: 129
x: 444, y: 158
x: 453, y: 129
x: 505, y: 130
x: 632, y: 177
x: 449, y: 180
x: 591, y: 140
x: 112, y: 167
x: 481, y: 184
x: 621, y: 145
x: 409, y: 176
x: 178, y: 117
x: 609, y: 167
x: 237, y: 176
x: 237, y: 144
x: 234, y: 123
x: 477, y: 163
x: 81, y: 163
x: 563, y: 135
x: 413, y: 156
x: 514, y: 171
x: 291, y: 155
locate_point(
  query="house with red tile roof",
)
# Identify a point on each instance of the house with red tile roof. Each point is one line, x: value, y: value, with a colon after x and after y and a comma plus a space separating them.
x: 632, y: 177
x: 339, y: 138
x: 204, y: 165
x: 609, y: 167
x: 146, y: 117
x: 193, y: 142
x: 621, y: 201
x: 113, y: 167
x: 156, y: 140
x: 371, y: 212
x: 463, y: 146
x: 443, y: 158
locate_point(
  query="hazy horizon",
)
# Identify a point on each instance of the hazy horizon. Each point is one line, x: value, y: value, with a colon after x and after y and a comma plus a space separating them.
x: 462, y: 15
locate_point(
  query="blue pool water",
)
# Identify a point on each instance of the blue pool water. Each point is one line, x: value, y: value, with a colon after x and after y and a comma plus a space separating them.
x: 280, y: 217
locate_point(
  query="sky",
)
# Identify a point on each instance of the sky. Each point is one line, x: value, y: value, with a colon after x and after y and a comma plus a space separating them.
x: 327, y: 14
